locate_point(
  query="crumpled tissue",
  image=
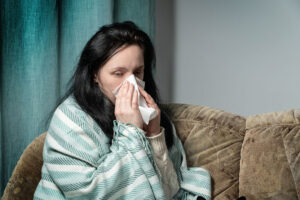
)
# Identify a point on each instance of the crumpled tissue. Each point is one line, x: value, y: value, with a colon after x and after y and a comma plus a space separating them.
x: 146, y: 112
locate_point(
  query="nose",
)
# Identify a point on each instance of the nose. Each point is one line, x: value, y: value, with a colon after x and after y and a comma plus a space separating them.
x: 129, y: 75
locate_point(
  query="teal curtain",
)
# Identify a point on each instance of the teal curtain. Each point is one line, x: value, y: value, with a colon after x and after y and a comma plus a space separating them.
x: 41, y: 41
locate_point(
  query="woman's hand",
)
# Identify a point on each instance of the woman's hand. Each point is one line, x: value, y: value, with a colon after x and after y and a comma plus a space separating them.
x: 126, y: 106
x: 153, y: 127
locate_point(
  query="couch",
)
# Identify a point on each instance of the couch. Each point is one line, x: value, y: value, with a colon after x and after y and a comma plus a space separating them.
x: 257, y: 157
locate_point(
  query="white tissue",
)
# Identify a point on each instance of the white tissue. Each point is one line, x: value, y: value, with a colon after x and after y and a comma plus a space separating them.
x: 146, y: 112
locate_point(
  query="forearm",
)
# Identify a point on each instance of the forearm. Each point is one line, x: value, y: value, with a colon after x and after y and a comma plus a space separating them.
x: 169, y: 177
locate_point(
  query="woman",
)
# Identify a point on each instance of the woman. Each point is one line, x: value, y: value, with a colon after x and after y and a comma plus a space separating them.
x: 99, y: 147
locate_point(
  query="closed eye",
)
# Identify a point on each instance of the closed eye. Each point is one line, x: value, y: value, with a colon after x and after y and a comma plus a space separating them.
x: 138, y: 72
x: 118, y: 73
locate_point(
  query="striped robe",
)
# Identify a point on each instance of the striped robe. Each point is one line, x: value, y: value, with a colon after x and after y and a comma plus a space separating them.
x: 80, y: 163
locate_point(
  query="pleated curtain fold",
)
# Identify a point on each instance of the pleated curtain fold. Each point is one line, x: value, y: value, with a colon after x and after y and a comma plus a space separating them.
x: 40, y: 45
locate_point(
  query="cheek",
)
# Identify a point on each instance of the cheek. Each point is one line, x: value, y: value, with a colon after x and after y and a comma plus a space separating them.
x: 108, y: 84
x: 105, y: 81
x: 107, y: 87
x: 114, y: 84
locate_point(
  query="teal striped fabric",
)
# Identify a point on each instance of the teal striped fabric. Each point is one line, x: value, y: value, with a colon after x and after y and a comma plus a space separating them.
x: 80, y: 162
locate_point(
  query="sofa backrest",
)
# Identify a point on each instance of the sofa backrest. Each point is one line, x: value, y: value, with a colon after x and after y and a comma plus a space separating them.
x: 270, y: 156
x: 212, y: 139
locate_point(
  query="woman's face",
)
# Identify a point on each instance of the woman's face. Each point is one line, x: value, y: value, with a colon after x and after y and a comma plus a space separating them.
x: 126, y: 61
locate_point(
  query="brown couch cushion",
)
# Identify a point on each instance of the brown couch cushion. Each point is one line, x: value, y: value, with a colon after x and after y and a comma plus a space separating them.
x: 270, y: 163
x: 27, y: 172
x: 212, y: 139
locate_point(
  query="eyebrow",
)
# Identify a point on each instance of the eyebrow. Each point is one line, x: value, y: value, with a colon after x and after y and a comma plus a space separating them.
x: 140, y: 67
x: 125, y: 68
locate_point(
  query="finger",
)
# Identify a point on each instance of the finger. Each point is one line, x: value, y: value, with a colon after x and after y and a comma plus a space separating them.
x: 147, y: 97
x: 124, y: 88
x: 122, y: 97
x: 125, y: 101
x: 117, y: 104
x: 142, y: 91
x: 129, y: 95
x: 135, y: 100
x: 121, y: 90
x: 149, y: 100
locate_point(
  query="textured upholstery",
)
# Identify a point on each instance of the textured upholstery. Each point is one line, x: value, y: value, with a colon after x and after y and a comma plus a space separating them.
x: 27, y: 172
x: 270, y: 164
x: 212, y: 139
x: 257, y: 157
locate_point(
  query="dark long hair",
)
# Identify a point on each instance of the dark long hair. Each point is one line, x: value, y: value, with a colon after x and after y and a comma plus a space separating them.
x: 95, y: 54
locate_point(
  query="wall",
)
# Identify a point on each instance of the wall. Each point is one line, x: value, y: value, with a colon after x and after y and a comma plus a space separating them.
x: 164, y: 46
x: 238, y: 56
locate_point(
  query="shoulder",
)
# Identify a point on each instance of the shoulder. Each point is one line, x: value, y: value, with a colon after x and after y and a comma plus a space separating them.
x: 69, y: 109
x: 74, y: 133
x: 70, y: 119
x: 70, y: 104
